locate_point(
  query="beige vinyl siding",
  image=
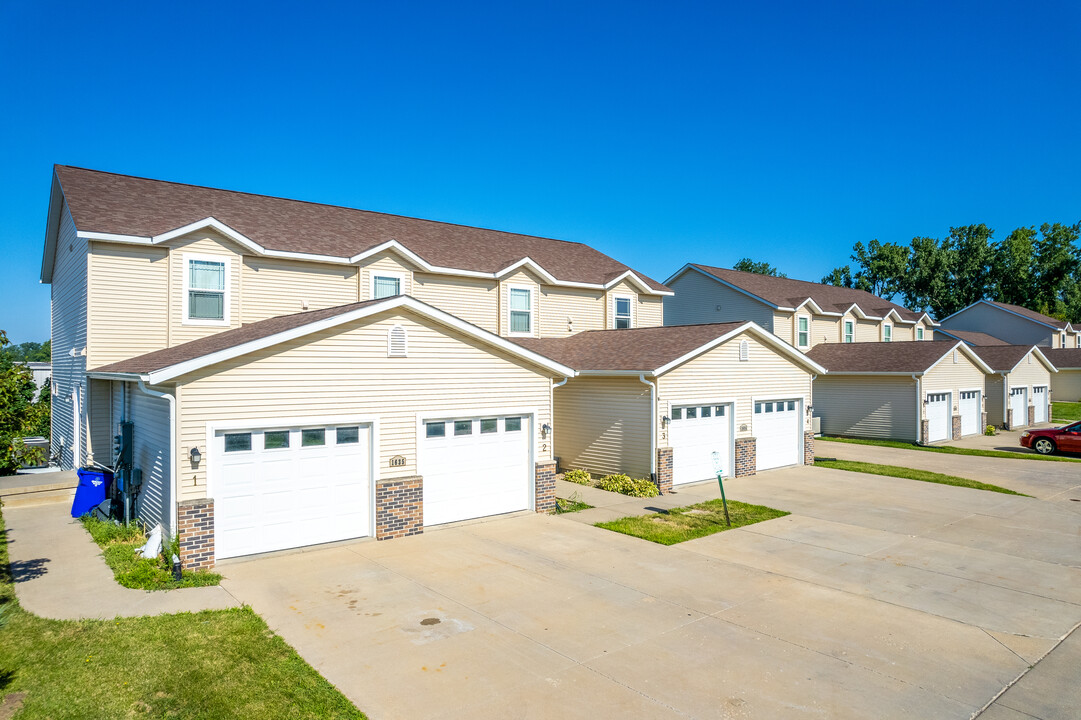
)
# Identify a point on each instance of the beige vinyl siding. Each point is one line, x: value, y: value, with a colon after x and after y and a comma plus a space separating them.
x: 273, y: 286
x: 625, y: 290
x: 995, y: 404
x: 389, y: 263
x: 719, y: 376
x: 699, y: 299
x: 1030, y: 373
x: 202, y: 243
x: 68, y: 331
x: 100, y: 413
x: 1001, y: 324
x: 128, y: 302
x: 784, y: 326
x: 564, y: 311
x: 522, y: 279
x: 650, y: 311
x: 950, y: 376
x: 150, y: 453
x: 868, y: 331
x: 1066, y: 386
x: 345, y: 371
x: 602, y: 425
x: 475, y: 301
x: 870, y: 406
x: 825, y: 330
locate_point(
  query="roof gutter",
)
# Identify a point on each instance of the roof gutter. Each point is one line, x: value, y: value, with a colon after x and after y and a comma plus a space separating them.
x: 652, y: 425
x: 174, y: 453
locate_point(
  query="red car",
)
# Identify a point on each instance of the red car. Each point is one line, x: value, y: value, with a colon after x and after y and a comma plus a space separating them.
x: 1048, y: 440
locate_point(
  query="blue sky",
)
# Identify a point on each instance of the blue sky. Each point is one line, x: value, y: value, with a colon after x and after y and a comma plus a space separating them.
x: 660, y: 133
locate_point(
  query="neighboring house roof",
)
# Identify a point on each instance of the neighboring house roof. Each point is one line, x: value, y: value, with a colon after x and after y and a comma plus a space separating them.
x: 122, y: 208
x: 36, y: 365
x: 652, y: 350
x: 972, y: 337
x: 1004, y: 358
x: 788, y: 294
x: 1024, y: 312
x: 163, y: 365
x: 1064, y: 358
x: 888, y: 358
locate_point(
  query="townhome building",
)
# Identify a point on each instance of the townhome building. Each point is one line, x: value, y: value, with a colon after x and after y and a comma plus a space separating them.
x: 298, y: 373
x: 803, y: 314
x: 1014, y: 324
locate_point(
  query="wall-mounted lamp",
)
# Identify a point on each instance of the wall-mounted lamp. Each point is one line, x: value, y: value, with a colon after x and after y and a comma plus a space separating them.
x: 545, y: 429
x: 196, y: 457
x: 665, y: 420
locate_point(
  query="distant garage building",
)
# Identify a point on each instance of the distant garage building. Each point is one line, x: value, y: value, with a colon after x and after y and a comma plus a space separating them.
x: 1018, y: 394
x: 917, y: 391
x: 1066, y: 383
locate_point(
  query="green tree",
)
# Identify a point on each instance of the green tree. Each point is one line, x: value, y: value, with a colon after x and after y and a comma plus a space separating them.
x: 971, y: 257
x: 1057, y: 263
x: 839, y: 276
x: 1013, y: 268
x: 880, y: 267
x: 19, y: 414
x: 927, y: 277
x: 761, y: 268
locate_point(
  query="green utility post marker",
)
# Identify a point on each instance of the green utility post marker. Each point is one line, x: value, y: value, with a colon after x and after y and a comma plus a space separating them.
x: 720, y: 475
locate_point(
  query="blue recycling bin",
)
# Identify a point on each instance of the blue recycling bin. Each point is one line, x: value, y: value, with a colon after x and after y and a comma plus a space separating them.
x: 92, y: 490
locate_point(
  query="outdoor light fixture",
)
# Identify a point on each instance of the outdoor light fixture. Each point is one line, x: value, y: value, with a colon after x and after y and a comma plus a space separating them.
x: 665, y: 419
x: 196, y: 457
x: 545, y: 429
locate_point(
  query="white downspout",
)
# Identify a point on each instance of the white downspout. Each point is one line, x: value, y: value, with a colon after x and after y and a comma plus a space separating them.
x: 552, y: 407
x: 173, y: 453
x: 76, y: 447
x: 652, y: 423
x: 919, y: 409
x: 1006, y: 400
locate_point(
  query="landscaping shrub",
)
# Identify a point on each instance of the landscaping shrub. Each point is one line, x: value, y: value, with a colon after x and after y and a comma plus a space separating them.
x: 990, y: 430
x: 582, y: 477
x: 627, y: 486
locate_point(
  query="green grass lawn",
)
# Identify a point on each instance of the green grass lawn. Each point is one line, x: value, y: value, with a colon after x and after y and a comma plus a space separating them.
x: 687, y: 523
x: 910, y: 474
x: 949, y: 450
x: 214, y: 664
x: 1065, y: 412
x: 118, y: 544
x: 569, y: 505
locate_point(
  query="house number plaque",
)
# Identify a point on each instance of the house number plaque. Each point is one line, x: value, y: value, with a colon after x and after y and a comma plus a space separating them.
x: 397, y: 461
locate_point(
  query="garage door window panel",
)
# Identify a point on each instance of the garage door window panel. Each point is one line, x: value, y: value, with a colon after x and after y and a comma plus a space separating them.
x: 463, y: 427
x: 435, y: 429
x: 347, y: 435
x: 313, y: 437
x: 237, y: 442
x: 275, y: 439
x: 513, y: 424
x: 489, y: 425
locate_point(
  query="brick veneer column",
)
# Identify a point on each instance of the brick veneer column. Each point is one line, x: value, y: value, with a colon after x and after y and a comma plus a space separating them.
x: 544, y: 486
x: 399, y: 507
x: 983, y: 423
x: 956, y: 426
x: 1031, y: 414
x: 195, y: 531
x: 664, y: 470
x: 808, y: 448
x: 746, y: 457
x: 1009, y: 419
x: 924, y: 429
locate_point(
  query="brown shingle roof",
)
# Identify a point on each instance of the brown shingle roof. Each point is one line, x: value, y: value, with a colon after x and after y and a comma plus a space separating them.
x: 973, y: 338
x: 916, y: 356
x: 785, y: 292
x: 1031, y: 314
x: 1063, y: 357
x: 639, y: 350
x: 168, y: 357
x: 126, y: 205
x: 1003, y: 358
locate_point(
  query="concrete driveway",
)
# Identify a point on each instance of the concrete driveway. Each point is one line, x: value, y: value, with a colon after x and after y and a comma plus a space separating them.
x: 875, y: 598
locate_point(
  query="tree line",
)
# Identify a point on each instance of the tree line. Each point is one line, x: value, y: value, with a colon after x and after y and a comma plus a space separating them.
x: 28, y: 352
x: 1036, y: 268
x: 23, y: 412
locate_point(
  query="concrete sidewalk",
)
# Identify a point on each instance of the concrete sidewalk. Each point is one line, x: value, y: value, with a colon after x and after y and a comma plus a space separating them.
x: 59, y: 573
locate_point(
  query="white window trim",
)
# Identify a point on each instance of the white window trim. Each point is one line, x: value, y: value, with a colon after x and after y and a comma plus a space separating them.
x: 630, y: 309
x: 845, y: 334
x: 887, y: 336
x: 373, y: 274
x: 227, y: 300
x: 532, y: 310
x: 808, y: 319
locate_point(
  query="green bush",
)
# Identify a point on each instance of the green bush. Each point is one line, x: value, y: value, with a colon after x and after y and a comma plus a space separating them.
x: 582, y: 477
x: 627, y: 486
x: 990, y: 430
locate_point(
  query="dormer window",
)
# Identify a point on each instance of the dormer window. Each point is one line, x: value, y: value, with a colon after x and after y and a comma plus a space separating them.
x: 622, y: 313
x: 850, y: 331
x: 206, y: 280
x: 386, y: 285
x: 803, y: 331
x: 887, y: 333
x: 521, y: 311
x: 919, y: 333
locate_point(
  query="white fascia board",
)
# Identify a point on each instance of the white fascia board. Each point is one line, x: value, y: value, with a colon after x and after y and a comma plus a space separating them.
x: 615, y: 373
x: 174, y: 371
x: 815, y: 308
x: 869, y: 373
x: 738, y: 289
x: 52, y: 230
x: 213, y: 224
x: 766, y: 337
x: 128, y: 377
x: 1043, y: 358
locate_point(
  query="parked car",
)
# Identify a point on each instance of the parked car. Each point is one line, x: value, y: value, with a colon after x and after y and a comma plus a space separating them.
x: 1049, y: 440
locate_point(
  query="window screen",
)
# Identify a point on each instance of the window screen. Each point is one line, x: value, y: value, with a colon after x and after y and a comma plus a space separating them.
x: 385, y: 286
x: 206, y: 290
x: 520, y: 311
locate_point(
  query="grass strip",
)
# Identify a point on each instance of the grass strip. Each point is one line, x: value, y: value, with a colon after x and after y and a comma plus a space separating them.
x: 118, y: 544
x: 688, y: 523
x: 569, y: 505
x: 213, y: 664
x: 1066, y: 412
x: 911, y: 474
x: 949, y: 450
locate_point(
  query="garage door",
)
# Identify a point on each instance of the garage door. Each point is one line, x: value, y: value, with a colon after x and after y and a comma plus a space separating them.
x: 1019, y: 405
x: 695, y: 432
x: 475, y: 466
x: 1039, y: 404
x: 970, y: 412
x: 285, y: 487
x: 778, y: 433
x: 938, y: 417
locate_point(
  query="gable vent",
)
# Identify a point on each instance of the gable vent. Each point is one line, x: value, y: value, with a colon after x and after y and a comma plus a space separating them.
x: 397, y: 342
x: 744, y: 350
x: 956, y: 359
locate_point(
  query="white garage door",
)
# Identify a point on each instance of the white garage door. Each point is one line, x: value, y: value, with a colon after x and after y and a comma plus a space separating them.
x: 1019, y: 405
x: 778, y: 433
x: 970, y: 412
x: 694, y: 434
x: 285, y: 487
x: 1039, y: 404
x: 474, y: 467
x: 939, y: 423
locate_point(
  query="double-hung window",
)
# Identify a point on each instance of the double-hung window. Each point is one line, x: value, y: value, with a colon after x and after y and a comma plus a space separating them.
x: 887, y: 333
x: 803, y: 331
x: 386, y: 286
x: 919, y: 333
x: 521, y: 311
x: 206, y: 290
x: 850, y: 331
x: 622, y: 313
